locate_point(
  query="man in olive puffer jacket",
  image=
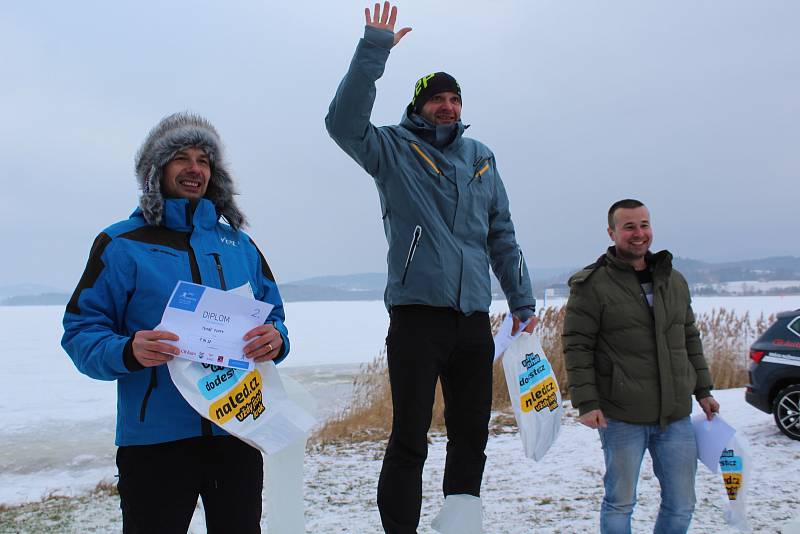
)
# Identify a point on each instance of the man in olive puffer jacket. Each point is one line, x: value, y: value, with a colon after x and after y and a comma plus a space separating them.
x: 634, y: 358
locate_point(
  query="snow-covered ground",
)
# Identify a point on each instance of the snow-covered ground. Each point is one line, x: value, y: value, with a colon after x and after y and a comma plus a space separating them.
x: 561, y: 493
x: 57, y: 433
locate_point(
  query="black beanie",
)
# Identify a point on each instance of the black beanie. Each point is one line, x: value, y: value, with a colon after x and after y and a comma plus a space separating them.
x: 432, y: 84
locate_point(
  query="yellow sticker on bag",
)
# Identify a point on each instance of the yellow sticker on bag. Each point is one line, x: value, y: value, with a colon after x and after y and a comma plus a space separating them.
x: 540, y: 396
x: 246, y: 399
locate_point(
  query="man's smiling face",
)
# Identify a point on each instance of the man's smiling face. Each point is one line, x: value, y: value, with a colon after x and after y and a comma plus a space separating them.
x: 632, y: 233
x: 442, y: 108
x: 187, y: 175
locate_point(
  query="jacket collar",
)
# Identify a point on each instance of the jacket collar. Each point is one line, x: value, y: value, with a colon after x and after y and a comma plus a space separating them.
x: 659, y: 263
x: 179, y: 214
x: 439, y: 136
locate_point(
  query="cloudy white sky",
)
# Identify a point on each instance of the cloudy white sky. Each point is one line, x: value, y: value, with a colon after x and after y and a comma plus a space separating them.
x: 691, y: 106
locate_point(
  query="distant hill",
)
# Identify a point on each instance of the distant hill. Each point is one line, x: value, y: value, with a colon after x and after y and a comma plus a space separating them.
x: 43, y: 299
x: 766, y: 269
x: 363, y: 286
x: 26, y: 289
x: 765, y: 276
x: 347, y: 282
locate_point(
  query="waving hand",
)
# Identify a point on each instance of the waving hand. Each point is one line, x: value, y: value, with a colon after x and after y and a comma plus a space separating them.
x: 385, y: 20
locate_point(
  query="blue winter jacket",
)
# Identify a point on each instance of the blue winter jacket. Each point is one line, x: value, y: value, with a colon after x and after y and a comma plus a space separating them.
x: 129, y: 277
x: 445, y: 210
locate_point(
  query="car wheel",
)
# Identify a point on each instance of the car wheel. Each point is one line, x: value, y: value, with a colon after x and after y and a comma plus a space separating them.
x: 786, y: 410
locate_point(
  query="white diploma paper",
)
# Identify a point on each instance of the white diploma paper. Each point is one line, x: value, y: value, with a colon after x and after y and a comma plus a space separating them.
x: 712, y: 437
x: 211, y: 324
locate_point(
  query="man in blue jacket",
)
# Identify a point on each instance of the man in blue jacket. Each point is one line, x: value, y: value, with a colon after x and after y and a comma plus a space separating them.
x: 446, y: 218
x: 168, y: 454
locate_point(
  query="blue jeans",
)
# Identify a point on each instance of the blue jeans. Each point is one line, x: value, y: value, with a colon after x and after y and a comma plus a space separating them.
x: 674, y: 453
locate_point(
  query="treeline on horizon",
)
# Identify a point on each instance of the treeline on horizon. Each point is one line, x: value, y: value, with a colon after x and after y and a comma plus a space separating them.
x: 702, y: 276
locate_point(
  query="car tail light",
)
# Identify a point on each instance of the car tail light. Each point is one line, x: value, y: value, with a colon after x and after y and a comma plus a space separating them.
x: 756, y: 355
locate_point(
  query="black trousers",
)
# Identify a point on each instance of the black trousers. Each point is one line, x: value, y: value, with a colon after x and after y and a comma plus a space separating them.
x: 159, y: 485
x: 424, y: 344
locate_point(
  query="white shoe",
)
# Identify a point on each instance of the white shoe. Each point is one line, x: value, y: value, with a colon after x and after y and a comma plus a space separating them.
x: 460, y: 514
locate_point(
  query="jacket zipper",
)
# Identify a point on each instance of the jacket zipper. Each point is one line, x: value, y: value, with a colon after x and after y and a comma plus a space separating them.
x: 411, y: 250
x: 205, y: 425
x: 195, y: 269
x: 222, y: 284
x: 483, y: 169
x: 426, y: 158
x: 521, y: 265
x: 481, y: 166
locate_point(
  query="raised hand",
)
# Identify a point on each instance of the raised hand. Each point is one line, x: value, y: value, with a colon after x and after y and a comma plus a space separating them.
x: 385, y: 20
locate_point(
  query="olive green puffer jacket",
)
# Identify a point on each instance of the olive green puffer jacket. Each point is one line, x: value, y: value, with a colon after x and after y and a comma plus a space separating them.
x: 635, y: 365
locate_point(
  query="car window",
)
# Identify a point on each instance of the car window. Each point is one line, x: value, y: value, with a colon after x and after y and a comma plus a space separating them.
x: 794, y: 326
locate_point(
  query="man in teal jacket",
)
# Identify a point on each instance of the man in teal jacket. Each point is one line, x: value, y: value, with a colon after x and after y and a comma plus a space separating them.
x: 446, y: 218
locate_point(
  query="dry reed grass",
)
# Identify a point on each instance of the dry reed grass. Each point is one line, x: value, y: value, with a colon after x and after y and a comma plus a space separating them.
x: 726, y: 338
x: 106, y: 487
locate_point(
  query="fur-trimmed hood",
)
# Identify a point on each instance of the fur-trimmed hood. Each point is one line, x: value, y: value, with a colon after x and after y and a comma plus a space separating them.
x: 174, y: 133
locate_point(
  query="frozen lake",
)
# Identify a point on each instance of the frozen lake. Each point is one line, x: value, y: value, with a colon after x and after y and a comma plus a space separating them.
x: 58, y: 425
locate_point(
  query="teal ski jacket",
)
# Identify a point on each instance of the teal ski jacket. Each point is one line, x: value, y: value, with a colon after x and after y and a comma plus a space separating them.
x: 445, y: 210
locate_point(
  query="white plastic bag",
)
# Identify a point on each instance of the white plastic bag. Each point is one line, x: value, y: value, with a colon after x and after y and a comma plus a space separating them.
x: 253, y: 406
x: 535, y: 395
x: 734, y: 464
x: 283, y: 475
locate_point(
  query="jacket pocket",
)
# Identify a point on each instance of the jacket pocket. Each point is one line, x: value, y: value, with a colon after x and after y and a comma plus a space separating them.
x: 684, y: 377
x: 676, y: 336
x: 222, y: 285
x: 482, y: 166
x: 427, y: 159
x: 617, y: 385
x: 411, y: 250
x: 482, y: 169
x: 150, y: 387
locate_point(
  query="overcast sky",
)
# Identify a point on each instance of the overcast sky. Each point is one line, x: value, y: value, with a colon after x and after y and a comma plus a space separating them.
x: 691, y: 106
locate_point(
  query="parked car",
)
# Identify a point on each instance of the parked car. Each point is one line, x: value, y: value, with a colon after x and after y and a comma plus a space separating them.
x: 775, y: 373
